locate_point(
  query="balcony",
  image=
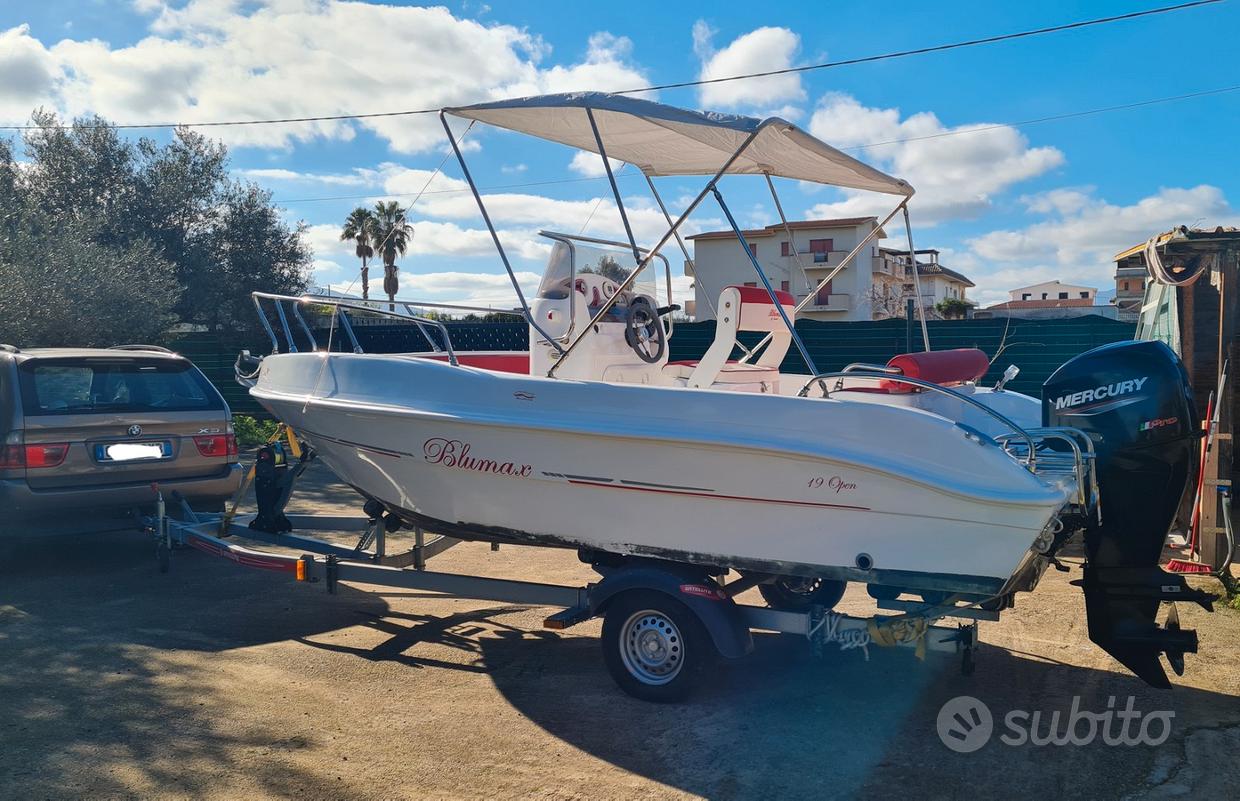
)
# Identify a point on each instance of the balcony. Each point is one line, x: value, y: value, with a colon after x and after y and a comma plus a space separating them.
x: 820, y: 260
x: 835, y: 303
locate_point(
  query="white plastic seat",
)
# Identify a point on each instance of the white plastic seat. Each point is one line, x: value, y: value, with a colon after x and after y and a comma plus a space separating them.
x: 741, y: 308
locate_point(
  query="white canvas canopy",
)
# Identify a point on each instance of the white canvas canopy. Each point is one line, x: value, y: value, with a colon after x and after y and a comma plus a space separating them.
x: 664, y: 140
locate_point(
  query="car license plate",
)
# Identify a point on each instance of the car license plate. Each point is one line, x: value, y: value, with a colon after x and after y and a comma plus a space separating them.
x: 133, y: 451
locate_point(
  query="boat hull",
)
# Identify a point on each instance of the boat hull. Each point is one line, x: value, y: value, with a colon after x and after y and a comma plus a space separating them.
x: 783, y: 485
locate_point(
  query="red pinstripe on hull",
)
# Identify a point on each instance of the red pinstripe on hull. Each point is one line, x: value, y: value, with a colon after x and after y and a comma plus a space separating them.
x: 722, y: 497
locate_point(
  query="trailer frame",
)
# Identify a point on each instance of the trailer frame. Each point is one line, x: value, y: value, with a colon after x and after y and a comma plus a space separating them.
x: 708, y: 597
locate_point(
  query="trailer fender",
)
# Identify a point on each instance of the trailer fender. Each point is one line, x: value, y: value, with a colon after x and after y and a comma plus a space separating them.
x: 717, y: 612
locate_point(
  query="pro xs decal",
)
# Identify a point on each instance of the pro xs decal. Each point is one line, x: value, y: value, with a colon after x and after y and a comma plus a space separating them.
x: 1103, y: 392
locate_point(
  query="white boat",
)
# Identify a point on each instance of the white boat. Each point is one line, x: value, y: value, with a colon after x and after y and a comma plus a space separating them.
x: 910, y: 477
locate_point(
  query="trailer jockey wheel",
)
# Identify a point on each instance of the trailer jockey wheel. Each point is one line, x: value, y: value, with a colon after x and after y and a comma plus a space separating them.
x: 643, y: 330
x: 270, y: 470
x: 798, y: 594
x: 655, y: 648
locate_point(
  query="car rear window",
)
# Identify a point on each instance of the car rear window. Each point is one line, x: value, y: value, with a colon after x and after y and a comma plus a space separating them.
x: 102, y: 385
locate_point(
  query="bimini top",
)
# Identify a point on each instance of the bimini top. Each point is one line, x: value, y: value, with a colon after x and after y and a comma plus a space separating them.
x: 665, y: 140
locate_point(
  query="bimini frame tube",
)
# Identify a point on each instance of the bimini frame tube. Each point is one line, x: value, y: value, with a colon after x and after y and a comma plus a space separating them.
x: 852, y: 254
x: 792, y: 241
x: 663, y: 240
x: 512, y: 276
x: 697, y: 279
x: 740, y: 237
x: 615, y: 190
x: 912, y: 258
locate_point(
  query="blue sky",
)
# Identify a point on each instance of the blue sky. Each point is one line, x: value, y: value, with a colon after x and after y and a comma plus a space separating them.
x: 1008, y: 206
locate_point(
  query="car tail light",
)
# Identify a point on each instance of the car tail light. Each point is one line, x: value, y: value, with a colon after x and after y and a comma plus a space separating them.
x: 45, y: 454
x: 12, y: 457
x: 217, y: 445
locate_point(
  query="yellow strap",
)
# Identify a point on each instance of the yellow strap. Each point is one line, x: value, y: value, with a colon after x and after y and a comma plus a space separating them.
x: 899, y: 630
x: 294, y: 447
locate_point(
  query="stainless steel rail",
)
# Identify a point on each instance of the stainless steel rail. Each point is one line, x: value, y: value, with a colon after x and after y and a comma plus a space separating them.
x: 821, y: 380
x: 340, y: 309
x: 1080, y: 459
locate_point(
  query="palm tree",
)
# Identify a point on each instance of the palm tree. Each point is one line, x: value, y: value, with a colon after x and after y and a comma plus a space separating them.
x: 392, y: 235
x: 359, y: 227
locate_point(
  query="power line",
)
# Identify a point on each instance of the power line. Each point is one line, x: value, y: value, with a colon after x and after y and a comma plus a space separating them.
x: 967, y: 131
x: 679, y: 85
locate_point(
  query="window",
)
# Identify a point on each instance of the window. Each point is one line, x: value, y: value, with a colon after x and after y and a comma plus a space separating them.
x: 783, y: 286
x: 108, y: 386
x: 1025, y: 296
x: 785, y: 249
x: 823, y: 298
x: 1085, y: 295
x: 821, y: 248
x: 1064, y: 296
x: 1123, y: 285
x: 1043, y: 296
x: 751, y: 283
x: 753, y: 249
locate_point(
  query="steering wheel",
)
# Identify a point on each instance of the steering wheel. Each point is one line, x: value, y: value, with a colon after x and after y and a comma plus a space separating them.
x: 644, y: 331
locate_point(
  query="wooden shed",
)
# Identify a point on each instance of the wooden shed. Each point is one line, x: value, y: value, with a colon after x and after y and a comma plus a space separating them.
x: 1195, y: 309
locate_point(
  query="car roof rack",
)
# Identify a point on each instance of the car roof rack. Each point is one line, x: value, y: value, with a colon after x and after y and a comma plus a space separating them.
x: 4, y: 346
x: 156, y: 348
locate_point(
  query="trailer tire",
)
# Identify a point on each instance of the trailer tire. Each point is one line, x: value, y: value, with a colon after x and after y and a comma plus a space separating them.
x: 654, y: 646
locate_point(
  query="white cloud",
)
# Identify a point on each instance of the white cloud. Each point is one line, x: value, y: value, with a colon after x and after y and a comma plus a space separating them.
x: 1083, y: 233
x: 956, y: 177
x: 227, y: 59
x: 513, y: 169
x: 359, y: 177
x: 448, y: 198
x: 1063, y: 200
x: 471, y: 289
x: 761, y: 50
x: 591, y: 166
x: 492, y: 290
x: 29, y: 72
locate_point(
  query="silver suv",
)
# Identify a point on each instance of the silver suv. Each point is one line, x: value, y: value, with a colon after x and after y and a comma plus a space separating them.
x: 95, y: 428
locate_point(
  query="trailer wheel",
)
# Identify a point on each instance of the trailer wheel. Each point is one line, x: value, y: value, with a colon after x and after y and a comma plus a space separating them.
x: 797, y: 594
x: 654, y: 646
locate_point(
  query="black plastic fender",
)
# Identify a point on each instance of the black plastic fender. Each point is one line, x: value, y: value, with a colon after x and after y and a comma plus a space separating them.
x: 697, y: 591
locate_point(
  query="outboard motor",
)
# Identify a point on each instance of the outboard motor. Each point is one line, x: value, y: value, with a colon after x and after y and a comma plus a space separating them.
x: 1133, y: 399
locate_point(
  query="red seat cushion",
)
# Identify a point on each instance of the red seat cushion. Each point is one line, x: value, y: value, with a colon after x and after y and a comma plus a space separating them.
x: 756, y: 294
x: 946, y: 367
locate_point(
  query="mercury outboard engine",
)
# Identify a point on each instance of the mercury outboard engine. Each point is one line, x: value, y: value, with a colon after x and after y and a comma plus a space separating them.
x: 1133, y: 399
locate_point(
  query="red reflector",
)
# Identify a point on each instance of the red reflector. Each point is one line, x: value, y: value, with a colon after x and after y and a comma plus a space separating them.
x: 12, y: 456
x: 45, y: 455
x: 216, y: 445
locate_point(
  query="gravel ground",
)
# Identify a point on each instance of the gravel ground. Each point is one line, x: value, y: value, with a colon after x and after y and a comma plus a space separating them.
x: 215, y: 681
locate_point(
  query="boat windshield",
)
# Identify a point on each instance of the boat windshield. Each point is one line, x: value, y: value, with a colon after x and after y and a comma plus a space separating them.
x: 589, y: 265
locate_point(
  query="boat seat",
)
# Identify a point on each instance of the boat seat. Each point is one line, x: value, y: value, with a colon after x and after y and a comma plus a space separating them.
x: 948, y: 368
x: 741, y: 308
x: 732, y: 373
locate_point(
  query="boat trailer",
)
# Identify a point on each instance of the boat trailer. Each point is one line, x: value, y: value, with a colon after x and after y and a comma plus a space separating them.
x: 656, y: 613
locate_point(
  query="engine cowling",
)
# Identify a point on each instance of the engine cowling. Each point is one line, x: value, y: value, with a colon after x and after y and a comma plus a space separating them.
x: 1134, y: 401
